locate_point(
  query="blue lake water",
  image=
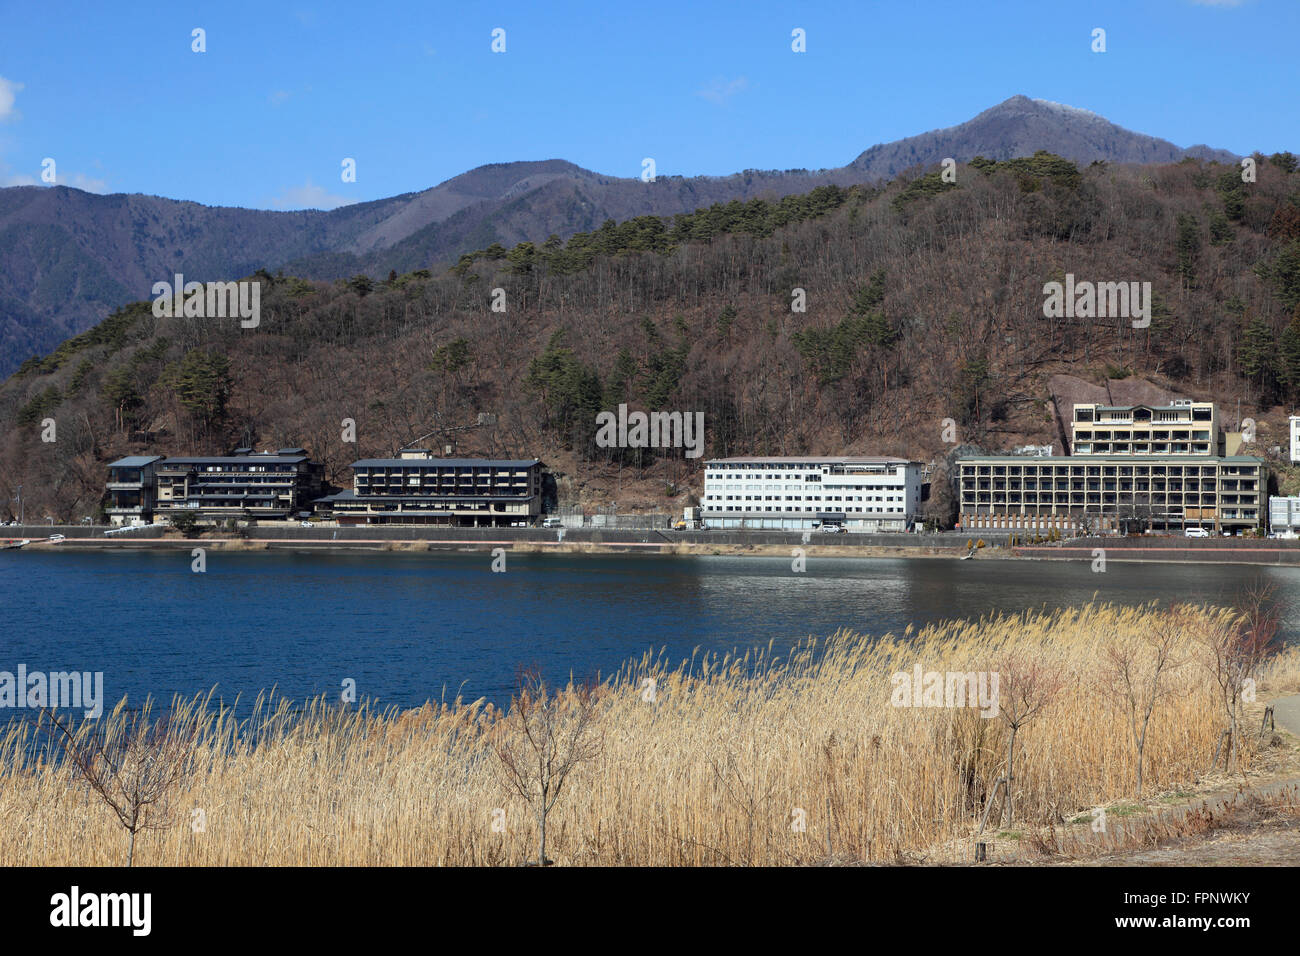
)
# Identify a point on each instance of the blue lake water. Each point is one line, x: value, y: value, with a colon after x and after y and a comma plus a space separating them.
x: 407, y: 626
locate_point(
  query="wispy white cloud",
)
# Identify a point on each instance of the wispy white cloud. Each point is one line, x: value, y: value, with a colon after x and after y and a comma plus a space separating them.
x: 309, y: 196
x: 8, y: 96
x: 280, y: 97
x: 720, y: 91
x: 9, y: 177
x: 90, y: 184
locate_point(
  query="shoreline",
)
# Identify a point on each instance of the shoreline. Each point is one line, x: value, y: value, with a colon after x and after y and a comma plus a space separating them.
x: 659, y: 544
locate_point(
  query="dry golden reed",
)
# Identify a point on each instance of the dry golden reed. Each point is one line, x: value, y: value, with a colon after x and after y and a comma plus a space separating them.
x: 746, y: 760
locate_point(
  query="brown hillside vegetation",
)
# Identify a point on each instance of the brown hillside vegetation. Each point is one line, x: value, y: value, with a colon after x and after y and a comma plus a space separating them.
x: 68, y: 256
x: 924, y: 303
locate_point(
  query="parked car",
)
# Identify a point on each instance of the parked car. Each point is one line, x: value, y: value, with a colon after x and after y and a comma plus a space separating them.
x: 551, y: 522
x: 1196, y: 533
x: 56, y: 538
x: 832, y: 528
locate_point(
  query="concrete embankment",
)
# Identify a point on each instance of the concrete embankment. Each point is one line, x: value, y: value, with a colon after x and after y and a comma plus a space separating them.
x: 1172, y: 549
x: 950, y: 545
x: 536, y: 540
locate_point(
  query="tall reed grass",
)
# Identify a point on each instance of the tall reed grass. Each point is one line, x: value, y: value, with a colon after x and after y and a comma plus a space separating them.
x: 748, y: 759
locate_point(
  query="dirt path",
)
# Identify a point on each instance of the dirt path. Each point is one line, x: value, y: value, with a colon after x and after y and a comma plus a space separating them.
x: 1227, y: 825
x: 1245, y: 834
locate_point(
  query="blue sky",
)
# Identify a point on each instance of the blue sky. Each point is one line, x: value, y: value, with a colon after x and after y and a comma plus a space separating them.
x: 413, y: 92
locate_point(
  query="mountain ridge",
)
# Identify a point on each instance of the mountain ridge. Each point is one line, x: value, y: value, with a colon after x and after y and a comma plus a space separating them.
x: 68, y: 257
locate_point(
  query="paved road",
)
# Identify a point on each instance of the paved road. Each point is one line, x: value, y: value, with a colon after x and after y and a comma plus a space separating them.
x: 1286, y: 711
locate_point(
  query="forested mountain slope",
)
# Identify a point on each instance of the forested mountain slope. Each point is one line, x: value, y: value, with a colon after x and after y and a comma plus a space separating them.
x: 924, y: 303
x: 67, y: 257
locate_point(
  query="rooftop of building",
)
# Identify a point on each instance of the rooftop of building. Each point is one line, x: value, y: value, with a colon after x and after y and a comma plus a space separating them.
x: 135, y: 461
x: 1188, y: 403
x: 257, y: 458
x: 446, y: 462
x: 350, y: 495
x: 812, y: 459
x: 1111, y: 459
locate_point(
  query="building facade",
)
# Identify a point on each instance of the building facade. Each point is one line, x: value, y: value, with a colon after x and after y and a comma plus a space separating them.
x: 416, y: 488
x: 131, y: 490
x: 1110, y: 493
x: 1183, y: 428
x: 1163, y: 467
x: 1284, y: 516
x: 272, y: 485
x: 806, y: 492
x: 1295, y: 438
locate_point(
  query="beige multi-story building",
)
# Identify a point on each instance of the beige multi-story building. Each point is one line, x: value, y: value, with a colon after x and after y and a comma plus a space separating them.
x: 1166, y: 467
x: 1104, y: 493
x: 1182, y: 428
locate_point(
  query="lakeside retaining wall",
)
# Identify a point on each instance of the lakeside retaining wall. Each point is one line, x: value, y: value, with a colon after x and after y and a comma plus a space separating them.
x: 1145, y: 548
x: 1151, y: 548
x: 586, y: 535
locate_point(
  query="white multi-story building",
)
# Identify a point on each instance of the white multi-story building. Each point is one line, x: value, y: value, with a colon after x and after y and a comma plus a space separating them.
x: 805, y: 492
x: 1295, y: 437
x: 1284, y: 515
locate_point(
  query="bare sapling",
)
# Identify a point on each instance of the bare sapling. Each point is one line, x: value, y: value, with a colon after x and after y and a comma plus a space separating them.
x: 1235, y: 650
x: 544, y: 737
x: 744, y: 783
x: 133, y: 762
x: 1027, y: 684
x: 1137, y: 672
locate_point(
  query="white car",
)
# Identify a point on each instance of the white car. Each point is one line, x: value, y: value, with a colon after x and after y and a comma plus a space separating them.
x: 1196, y: 533
x: 56, y: 538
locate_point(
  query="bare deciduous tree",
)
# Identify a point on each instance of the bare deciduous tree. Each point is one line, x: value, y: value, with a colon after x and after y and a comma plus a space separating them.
x: 133, y: 762
x: 1137, y: 677
x: 1026, y: 685
x: 1234, y: 651
x: 544, y: 736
